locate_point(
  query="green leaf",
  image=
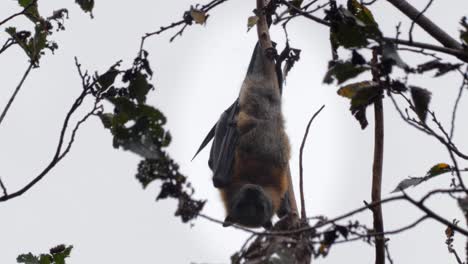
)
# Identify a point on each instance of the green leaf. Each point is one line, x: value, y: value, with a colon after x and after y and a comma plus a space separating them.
x: 139, y: 88
x: 107, y: 79
x: 251, y: 22
x: 25, y: 3
x: 45, y: 259
x: 86, y: 5
x: 421, y: 99
x: 343, y: 71
x: 350, y: 90
x: 348, y: 36
x: 362, y: 13
x: 106, y: 119
x: 352, y: 27
x: 27, y: 259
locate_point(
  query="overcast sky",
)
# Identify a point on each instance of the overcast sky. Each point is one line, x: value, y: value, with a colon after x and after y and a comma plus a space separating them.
x: 92, y: 200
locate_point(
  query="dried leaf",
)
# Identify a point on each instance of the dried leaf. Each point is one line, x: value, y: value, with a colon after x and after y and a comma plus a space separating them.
x: 198, y: 16
x: 442, y: 68
x: 350, y: 90
x: 390, y: 55
x: 251, y: 22
x: 406, y: 183
x: 449, y: 232
x: 421, y: 98
x: 463, y: 203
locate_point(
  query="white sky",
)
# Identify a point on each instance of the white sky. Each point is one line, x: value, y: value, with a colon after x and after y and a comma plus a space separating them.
x: 93, y: 201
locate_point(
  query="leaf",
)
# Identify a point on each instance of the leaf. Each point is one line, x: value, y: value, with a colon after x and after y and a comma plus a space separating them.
x: 139, y: 88
x: 348, y: 36
x: 251, y: 22
x: 435, y: 170
x: 439, y: 169
x: 449, y: 232
x: 390, y: 55
x: 350, y: 90
x: 463, y: 203
x: 86, y: 5
x: 107, y: 79
x: 406, y: 183
x: 45, y: 259
x: 27, y: 259
x: 357, y: 59
x: 442, y: 68
x: 32, y: 12
x: 343, y: 230
x: 398, y: 86
x: 421, y: 98
x: 198, y: 16
x: 362, y: 13
x: 342, y: 71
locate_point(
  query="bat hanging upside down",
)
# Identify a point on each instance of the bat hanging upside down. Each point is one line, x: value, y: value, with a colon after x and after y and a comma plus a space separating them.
x: 249, y: 156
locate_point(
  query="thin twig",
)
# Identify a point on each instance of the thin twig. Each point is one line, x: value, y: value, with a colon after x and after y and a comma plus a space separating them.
x: 410, y: 33
x: 59, y: 154
x: 8, y: 43
x: 453, y: 50
x: 12, y: 98
x: 387, y: 252
x: 19, y: 13
x: 305, y: 14
x: 425, y: 23
x: 301, y: 176
x: 5, y: 192
x: 457, y: 101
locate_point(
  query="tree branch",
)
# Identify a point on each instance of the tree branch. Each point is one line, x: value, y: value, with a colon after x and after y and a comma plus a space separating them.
x: 301, y: 176
x: 59, y: 154
x: 377, y: 168
x: 432, y: 29
x: 12, y: 98
x: 19, y: 13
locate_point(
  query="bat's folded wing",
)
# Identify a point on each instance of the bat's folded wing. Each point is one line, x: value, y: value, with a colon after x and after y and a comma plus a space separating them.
x: 222, y: 153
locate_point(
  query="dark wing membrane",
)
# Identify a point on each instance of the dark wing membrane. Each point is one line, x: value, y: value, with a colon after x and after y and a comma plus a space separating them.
x: 207, y: 140
x: 222, y: 152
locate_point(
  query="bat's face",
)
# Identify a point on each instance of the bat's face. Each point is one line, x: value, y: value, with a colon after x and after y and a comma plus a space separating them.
x: 251, y: 207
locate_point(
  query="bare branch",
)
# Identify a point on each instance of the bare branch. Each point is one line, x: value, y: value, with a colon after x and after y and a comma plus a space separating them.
x: 410, y: 33
x: 305, y: 14
x: 457, y: 101
x: 301, y: 178
x: 59, y: 154
x: 3, y: 187
x: 12, y: 98
x: 377, y: 167
x: 424, y: 22
x: 8, y: 43
x: 19, y: 13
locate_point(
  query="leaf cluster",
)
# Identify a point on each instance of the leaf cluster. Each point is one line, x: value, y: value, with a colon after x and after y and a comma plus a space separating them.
x: 56, y: 255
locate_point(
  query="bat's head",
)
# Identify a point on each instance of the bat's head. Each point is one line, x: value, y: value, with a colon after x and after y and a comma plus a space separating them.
x: 250, y: 207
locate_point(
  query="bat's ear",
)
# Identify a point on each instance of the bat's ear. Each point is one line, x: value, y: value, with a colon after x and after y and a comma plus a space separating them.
x: 268, y: 225
x: 228, y: 221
